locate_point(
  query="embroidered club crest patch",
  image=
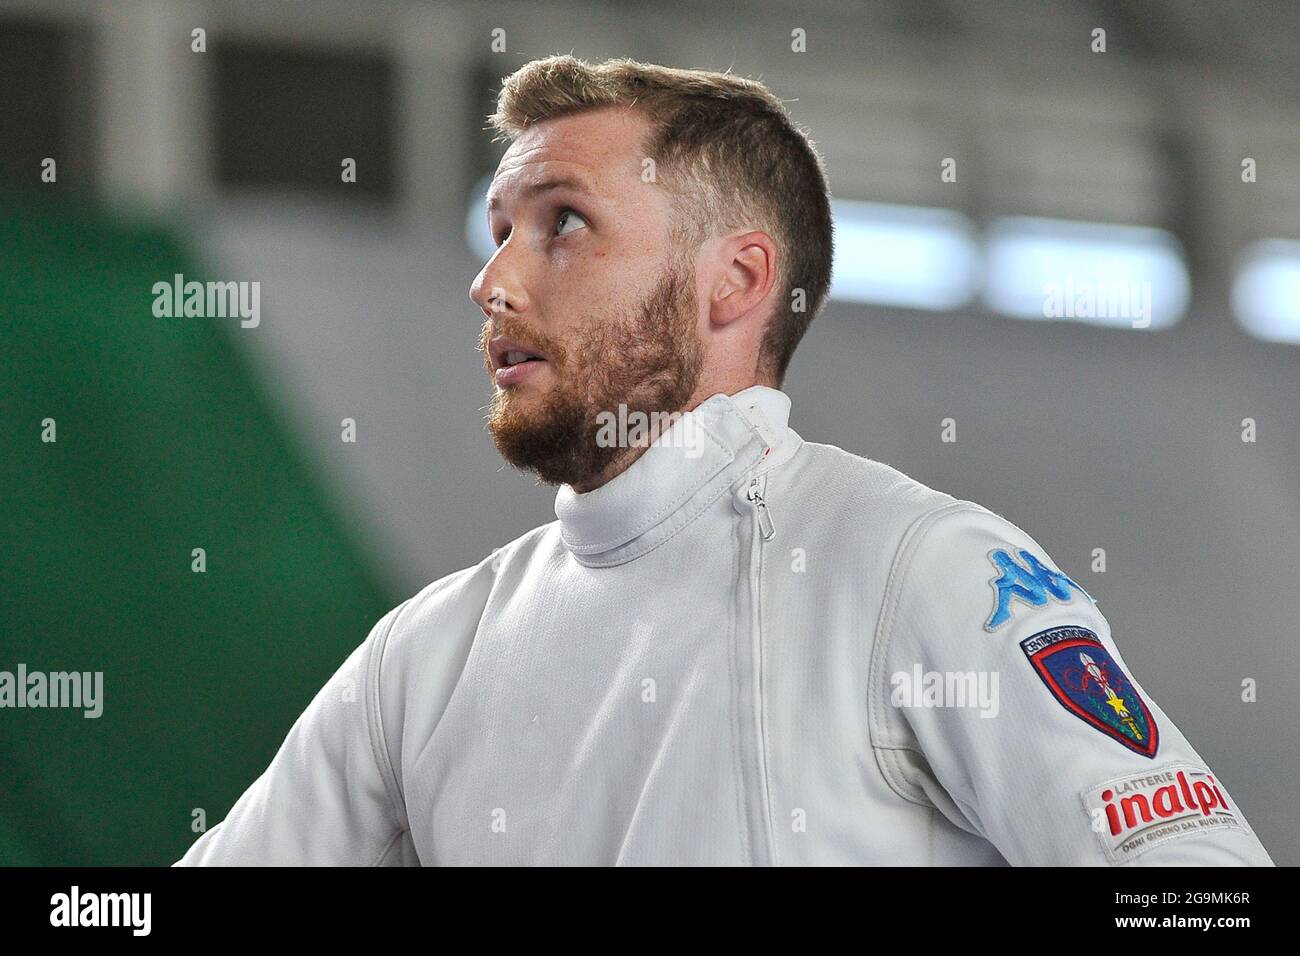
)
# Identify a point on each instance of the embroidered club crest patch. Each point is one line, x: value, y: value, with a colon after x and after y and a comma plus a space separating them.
x: 1081, y: 674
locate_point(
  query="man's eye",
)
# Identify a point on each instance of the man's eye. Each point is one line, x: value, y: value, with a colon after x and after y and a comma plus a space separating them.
x: 565, y: 218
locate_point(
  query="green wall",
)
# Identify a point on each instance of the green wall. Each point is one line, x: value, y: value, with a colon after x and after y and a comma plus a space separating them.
x: 165, y: 443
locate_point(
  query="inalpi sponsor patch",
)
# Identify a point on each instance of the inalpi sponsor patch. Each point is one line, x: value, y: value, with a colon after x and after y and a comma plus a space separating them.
x: 1136, y: 812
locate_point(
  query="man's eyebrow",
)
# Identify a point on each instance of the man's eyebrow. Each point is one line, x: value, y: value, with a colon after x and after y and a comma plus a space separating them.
x: 543, y: 186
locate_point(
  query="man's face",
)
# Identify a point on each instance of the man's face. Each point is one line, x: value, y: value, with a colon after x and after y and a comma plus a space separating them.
x: 587, y: 278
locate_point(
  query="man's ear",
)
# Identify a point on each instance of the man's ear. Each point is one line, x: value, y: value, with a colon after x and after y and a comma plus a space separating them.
x: 748, y: 273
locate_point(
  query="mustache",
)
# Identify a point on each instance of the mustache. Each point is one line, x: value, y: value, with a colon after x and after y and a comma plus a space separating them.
x: 529, y: 338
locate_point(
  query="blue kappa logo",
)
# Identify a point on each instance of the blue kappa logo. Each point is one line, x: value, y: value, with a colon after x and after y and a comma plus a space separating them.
x: 1033, y: 583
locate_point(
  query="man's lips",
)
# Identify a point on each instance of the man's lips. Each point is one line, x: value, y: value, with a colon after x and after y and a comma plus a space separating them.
x: 513, y: 361
x: 518, y: 374
x: 504, y: 352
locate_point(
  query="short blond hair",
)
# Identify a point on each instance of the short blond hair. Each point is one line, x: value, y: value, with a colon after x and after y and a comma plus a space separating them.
x: 727, y: 152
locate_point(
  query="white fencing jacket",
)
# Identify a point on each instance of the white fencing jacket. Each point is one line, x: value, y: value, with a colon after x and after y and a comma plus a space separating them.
x: 745, y: 649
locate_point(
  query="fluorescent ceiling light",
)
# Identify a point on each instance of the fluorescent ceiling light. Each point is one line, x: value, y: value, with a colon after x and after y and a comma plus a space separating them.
x: 1120, y: 276
x: 909, y: 256
x: 1266, y: 291
x: 477, y: 233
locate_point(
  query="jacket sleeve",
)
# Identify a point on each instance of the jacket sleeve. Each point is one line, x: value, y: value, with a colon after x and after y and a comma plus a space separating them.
x: 1000, y: 698
x: 329, y: 797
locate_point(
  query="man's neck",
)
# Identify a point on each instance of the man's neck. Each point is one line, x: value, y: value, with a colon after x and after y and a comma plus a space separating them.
x: 622, y: 462
x: 627, y: 457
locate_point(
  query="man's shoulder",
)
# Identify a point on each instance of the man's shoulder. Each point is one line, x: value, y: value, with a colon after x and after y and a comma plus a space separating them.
x: 840, y: 478
x: 898, y: 512
x: 454, y: 603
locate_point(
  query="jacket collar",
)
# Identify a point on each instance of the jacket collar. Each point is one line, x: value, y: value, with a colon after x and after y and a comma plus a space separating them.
x: 706, y: 452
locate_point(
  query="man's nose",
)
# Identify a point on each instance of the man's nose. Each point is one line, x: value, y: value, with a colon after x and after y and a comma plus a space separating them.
x: 497, y: 290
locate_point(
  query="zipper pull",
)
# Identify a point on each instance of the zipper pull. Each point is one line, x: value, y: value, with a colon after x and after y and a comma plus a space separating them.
x: 764, y: 518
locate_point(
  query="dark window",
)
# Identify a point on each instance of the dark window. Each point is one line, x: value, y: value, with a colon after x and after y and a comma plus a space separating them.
x: 44, y: 108
x: 287, y: 118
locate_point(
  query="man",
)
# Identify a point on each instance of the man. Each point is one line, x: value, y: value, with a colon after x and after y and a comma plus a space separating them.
x: 734, y: 646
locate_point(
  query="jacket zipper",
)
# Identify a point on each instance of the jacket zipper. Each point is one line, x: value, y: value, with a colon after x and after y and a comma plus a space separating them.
x: 757, y: 485
x: 766, y: 532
